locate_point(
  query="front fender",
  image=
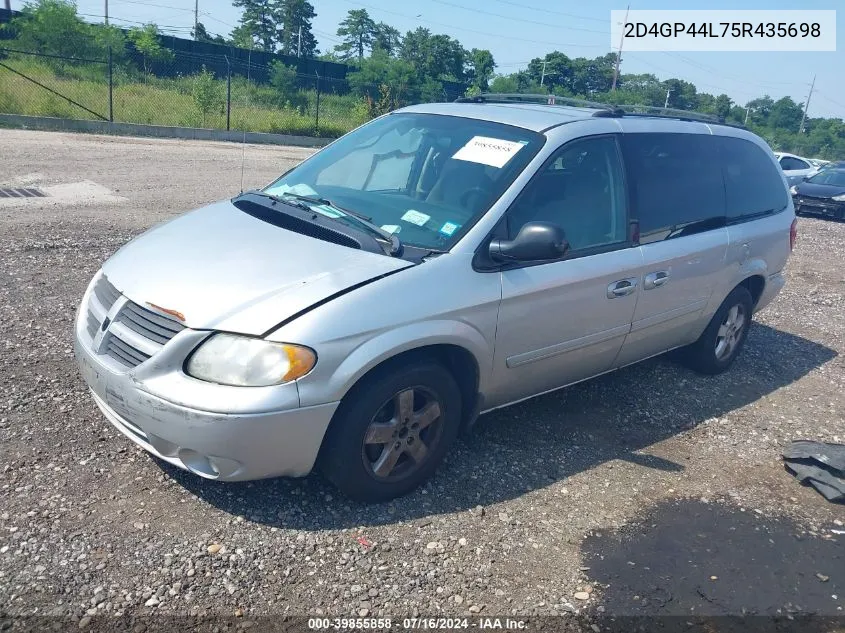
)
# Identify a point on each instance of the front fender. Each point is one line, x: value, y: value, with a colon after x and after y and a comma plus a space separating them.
x: 371, y: 352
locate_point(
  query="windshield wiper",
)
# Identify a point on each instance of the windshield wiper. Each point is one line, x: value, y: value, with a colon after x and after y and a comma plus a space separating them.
x: 395, y: 244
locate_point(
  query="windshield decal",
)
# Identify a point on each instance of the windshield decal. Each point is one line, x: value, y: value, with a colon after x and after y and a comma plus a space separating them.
x: 488, y: 151
x: 391, y: 228
x: 415, y: 217
x: 300, y: 189
x: 449, y: 228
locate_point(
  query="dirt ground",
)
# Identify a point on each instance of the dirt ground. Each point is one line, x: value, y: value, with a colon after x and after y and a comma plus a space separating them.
x: 649, y: 492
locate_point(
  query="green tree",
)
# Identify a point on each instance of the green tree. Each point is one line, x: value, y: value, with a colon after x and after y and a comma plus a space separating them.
x: 257, y: 24
x: 786, y: 114
x: 358, y: 31
x: 284, y: 80
x: 54, y: 28
x: 110, y: 37
x: 723, y: 106
x: 242, y: 37
x: 481, y: 67
x: 759, y: 109
x: 145, y: 39
x: 200, y: 34
x: 294, y: 17
x: 591, y: 76
x: 682, y: 94
x: 387, y: 38
x: 206, y: 93
x: 434, y: 56
x: 557, y: 72
x: 506, y: 84
x: 384, y: 82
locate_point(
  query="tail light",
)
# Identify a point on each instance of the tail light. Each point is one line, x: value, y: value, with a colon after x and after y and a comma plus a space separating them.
x: 793, y: 234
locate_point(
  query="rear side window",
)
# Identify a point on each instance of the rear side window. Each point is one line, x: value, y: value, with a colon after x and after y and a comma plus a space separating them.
x: 676, y: 184
x: 791, y: 164
x: 753, y: 185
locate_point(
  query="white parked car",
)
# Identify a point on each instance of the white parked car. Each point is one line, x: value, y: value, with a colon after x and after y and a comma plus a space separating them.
x: 795, y: 168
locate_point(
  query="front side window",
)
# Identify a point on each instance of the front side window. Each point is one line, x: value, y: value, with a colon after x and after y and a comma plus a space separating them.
x: 676, y: 184
x: 582, y: 191
x: 424, y: 177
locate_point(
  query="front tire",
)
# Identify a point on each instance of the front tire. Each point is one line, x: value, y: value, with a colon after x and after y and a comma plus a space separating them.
x: 717, y: 348
x: 392, y: 431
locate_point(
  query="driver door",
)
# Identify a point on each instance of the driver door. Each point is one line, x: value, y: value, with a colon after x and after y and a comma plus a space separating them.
x: 564, y: 321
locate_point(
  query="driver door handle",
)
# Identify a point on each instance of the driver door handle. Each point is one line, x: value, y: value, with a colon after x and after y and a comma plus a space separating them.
x: 656, y: 279
x: 622, y: 288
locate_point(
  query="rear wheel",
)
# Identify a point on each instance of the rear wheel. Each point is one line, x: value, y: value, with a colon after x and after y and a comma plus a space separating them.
x: 392, y: 432
x: 717, y: 348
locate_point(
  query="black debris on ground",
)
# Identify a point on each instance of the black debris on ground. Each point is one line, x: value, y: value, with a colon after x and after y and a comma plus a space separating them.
x: 819, y: 465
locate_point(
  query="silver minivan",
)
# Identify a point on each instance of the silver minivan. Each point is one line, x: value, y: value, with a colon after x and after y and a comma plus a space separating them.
x: 436, y: 263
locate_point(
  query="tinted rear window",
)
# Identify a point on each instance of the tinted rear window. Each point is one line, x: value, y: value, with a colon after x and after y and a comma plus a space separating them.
x: 676, y: 182
x: 753, y: 184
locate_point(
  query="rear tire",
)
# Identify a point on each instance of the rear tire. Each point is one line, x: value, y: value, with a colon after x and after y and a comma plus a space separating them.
x: 717, y: 348
x: 392, y: 431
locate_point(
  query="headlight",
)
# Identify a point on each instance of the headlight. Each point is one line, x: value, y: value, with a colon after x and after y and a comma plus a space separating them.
x: 793, y: 190
x: 242, y: 361
x: 840, y: 197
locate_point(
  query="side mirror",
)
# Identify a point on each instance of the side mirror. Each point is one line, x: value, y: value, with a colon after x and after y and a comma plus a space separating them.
x: 536, y: 241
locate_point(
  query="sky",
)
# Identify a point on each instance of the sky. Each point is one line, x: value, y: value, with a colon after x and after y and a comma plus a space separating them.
x: 518, y: 30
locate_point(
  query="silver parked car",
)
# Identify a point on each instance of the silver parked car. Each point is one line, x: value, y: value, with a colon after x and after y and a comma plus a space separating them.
x: 439, y: 262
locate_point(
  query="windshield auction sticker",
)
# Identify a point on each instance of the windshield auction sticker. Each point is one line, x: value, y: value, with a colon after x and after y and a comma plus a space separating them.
x: 723, y: 30
x: 488, y: 151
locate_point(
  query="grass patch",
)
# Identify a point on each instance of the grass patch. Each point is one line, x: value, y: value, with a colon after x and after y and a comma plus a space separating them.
x: 152, y: 100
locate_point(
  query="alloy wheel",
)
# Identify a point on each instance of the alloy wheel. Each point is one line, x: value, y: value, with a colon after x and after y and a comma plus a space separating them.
x: 730, y: 331
x: 404, y: 431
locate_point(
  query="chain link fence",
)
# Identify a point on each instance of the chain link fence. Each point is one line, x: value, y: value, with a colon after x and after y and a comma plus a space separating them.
x: 184, y: 89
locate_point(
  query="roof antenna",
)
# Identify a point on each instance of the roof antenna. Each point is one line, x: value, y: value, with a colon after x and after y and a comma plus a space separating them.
x: 243, y: 144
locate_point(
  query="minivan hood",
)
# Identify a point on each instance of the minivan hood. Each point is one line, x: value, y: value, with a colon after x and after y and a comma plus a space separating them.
x: 818, y: 190
x: 223, y: 269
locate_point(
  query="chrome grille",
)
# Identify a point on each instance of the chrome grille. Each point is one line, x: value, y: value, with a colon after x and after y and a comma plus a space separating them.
x: 134, y: 335
x: 106, y: 293
x: 154, y: 327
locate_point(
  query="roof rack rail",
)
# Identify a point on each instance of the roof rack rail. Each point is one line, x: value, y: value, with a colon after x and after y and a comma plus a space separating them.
x: 544, y: 99
x: 601, y: 109
x: 674, y: 113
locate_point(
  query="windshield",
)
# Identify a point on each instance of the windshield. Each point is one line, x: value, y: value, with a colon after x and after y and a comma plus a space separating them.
x: 425, y: 178
x: 834, y: 177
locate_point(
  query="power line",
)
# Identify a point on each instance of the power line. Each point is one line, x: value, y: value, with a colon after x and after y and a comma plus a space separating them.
x: 826, y: 98
x: 550, y: 11
x: 167, y: 27
x: 150, y: 4
x: 723, y: 75
x: 457, y: 28
x: 512, y: 19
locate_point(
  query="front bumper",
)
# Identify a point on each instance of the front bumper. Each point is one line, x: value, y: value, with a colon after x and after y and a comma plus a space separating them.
x: 819, y: 206
x: 231, y: 434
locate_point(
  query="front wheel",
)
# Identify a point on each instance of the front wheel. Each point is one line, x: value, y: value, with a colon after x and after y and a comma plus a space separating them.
x: 392, y: 432
x: 717, y: 348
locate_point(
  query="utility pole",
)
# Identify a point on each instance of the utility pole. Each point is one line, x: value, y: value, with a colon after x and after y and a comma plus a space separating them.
x: 747, y: 112
x: 107, y: 10
x: 543, y: 75
x: 196, y: 17
x: 619, y: 52
x: 666, y: 103
x: 299, y: 42
x: 807, y: 105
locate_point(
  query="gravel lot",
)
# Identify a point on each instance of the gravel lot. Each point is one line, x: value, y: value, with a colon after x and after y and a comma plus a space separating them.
x: 544, y: 510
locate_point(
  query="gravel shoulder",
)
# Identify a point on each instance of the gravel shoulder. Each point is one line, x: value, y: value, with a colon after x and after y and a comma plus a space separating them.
x: 511, y: 525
